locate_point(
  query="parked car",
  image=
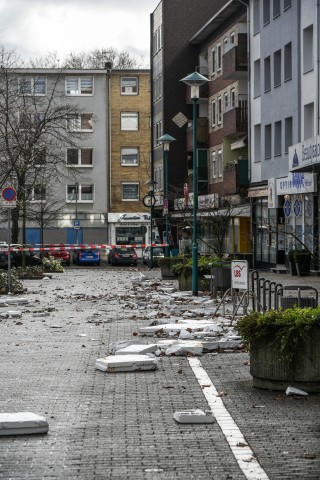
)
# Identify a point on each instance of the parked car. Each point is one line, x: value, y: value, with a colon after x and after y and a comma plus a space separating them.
x: 157, y: 252
x: 123, y: 256
x: 63, y: 255
x: 86, y: 256
x: 16, y: 257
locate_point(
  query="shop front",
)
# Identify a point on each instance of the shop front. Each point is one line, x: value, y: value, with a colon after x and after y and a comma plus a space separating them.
x: 129, y: 229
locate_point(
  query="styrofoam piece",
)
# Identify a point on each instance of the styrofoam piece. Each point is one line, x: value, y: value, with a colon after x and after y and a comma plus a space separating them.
x: 295, y: 391
x: 16, y: 301
x: 194, y: 416
x: 185, y: 347
x: 22, y: 423
x: 126, y: 363
x: 213, y: 328
x: 11, y: 314
x: 114, y: 346
x: 174, y: 327
x: 137, y: 349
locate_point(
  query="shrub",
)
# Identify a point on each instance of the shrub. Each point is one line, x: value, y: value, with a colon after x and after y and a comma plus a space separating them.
x: 52, y: 265
x: 30, y: 272
x: 204, y: 265
x: 15, y: 284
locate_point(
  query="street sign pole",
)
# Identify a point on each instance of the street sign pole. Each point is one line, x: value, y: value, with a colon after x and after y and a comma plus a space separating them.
x: 9, y: 196
x: 9, y: 253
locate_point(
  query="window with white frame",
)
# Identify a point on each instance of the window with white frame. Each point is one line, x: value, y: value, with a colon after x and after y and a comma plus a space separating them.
x: 226, y: 101
x: 233, y: 98
x: 130, y: 191
x: 129, y: 85
x: 219, y: 57
x: 129, y: 156
x: 39, y: 156
x: 79, y: 85
x: 213, y: 164
x: 83, y: 122
x: 32, y: 85
x: 213, y: 59
x: 130, y: 121
x: 213, y: 113
x: 80, y: 193
x: 36, y: 193
x: 219, y: 112
x: 30, y: 121
x: 220, y: 169
x: 80, y: 157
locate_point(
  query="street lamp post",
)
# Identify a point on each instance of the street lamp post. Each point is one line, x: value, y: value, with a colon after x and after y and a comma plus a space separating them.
x: 194, y: 80
x: 149, y: 201
x: 166, y: 140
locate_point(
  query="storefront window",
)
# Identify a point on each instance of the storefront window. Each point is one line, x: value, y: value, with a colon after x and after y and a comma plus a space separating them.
x: 130, y: 235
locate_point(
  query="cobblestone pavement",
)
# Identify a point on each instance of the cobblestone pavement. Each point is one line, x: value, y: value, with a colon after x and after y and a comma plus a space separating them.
x: 120, y: 426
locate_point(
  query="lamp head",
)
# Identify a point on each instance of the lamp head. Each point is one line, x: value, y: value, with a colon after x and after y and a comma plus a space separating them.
x: 194, y: 80
x: 165, y: 140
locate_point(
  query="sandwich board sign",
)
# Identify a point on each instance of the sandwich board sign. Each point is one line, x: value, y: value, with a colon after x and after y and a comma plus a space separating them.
x: 239, y: 274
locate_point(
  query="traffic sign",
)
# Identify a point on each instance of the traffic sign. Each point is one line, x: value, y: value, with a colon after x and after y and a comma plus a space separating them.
x: 9, y: 194
x: 76, y: 224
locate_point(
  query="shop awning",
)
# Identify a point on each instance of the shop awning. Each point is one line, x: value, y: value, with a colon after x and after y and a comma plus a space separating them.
x: 239, y: 143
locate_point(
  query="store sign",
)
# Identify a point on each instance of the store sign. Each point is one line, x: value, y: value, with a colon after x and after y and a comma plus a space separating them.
x: 128, y: 217
x: 239, y: 274
x: 304, y: 154
x: 296, y: 182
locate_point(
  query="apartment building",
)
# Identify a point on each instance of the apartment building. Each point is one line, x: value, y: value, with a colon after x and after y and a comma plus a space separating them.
x: 129, y: 150
x: 172, y: 58
x: 94, y: 127
x: 284, y: 95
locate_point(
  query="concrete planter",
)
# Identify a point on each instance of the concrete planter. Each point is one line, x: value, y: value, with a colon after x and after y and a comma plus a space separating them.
x: 166, y: 265
x: 271, y: 372
x: 222, y: 278
x: 185, y: 281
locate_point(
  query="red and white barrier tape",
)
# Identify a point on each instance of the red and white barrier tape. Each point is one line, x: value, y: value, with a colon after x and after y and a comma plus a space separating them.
x: 59, y: 247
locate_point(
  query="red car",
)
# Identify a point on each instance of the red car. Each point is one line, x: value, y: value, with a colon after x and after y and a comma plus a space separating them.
x: 59, y: 254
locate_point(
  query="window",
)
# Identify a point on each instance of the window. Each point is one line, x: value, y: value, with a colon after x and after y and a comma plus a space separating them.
x: 233, y: 98
x: 277, y: 68
x: 213, y: 163
x: 129, y: 121
x: 39, y: 156
x: 226, y: 101
x: 219, y: 110
x: 308, y: 121
x: 277, y: 138
x: 213, y: 60
x: 129, y: 156
x: 37, y: 193
x: 266, y: 11
x: 276, y: 8
x: 80, y: 193
x: 129, y: 85
x: 256, y: 16
x: 130, y: 191
x: 30, y: 121
x: 257, y: 143
x: 83, y: 122
x: 267, y: 141
x: 288, y: 62
x: 79, y: 85
x: 286, y: 4
x: 32, y: 85
x: 213, y: 113
x: 232, y: 37
x: 308, y: 49
x: 219, y: 57
x: 288, y: 134
x: 257, y: 78
x: 267, y: 74
x: 81, y: 157
x: 220, y: 163
x: 157, y: 132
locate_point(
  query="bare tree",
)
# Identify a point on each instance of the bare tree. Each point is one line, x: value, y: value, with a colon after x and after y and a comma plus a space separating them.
x: 34, y: 116
x: 96, y: 58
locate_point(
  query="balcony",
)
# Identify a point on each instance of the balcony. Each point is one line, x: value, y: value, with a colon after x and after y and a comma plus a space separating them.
x: 202, y: 133
x: 235, y: 60
x: 235, y: 120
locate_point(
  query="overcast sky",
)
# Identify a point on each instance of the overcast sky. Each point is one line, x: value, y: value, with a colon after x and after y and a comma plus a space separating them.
x: 35, y: 27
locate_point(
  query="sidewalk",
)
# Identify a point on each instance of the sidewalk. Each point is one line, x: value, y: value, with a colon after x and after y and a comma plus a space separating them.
x: 120, y: 426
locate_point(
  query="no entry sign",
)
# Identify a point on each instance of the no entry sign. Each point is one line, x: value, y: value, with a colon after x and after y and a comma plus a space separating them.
x: 239, y: 274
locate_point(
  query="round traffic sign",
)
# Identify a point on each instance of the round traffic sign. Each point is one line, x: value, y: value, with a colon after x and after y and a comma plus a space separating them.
x: 9, y: 194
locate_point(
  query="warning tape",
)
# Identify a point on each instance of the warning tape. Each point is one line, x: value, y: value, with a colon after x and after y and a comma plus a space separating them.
x: 61, y: 247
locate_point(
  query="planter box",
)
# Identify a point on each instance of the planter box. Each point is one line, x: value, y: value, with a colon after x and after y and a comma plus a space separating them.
x: 166, y: 268
x: 293, y: 269
x: 271, y: 372
x: 185, y: 281
x: 303, y: 267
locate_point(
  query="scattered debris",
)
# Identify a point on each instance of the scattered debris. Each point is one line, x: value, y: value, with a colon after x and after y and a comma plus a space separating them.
x: 137, y: 349
x: 185, y: 348
x: 126, y: 363
x: 194, y: 416
x: 11, y: 314
x: 22, y: 423
x: 295, y: 391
